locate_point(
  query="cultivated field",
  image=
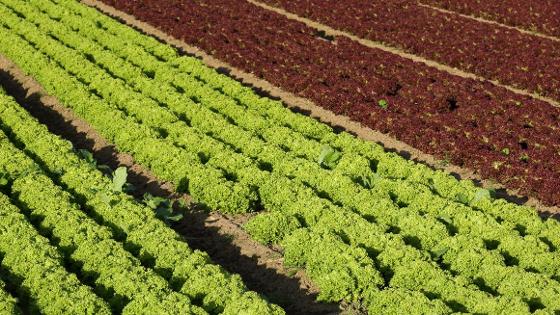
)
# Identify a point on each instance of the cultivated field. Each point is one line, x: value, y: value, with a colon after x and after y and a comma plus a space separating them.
x: 272, y: 157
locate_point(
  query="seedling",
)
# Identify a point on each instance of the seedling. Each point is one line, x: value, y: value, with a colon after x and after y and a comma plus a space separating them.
x: 329, y: 157
x: 163, y: 208
x: 383, y: 103
x: 119, y: 178
x: 88, y: 156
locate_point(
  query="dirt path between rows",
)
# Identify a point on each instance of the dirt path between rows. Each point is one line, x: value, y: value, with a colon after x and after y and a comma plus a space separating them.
x: 479, y: 19
x: 329, y: 31
x: 222, y: 237
x: 309, y: 108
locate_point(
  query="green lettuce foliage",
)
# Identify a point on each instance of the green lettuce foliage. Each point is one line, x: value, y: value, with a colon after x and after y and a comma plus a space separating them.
x: 37, y: 268
x: 116, y: 272
x: 271, y: 227
x: 163, y: 208
x: 232, y: 150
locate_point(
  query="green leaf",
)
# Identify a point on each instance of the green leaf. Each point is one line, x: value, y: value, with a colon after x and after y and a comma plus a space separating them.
x: 182, y: 203
x: 482, y: 194
x: 119, y: 178
x: 105, y: 198
x: 154, y: 202
x: 4, y: 181
x: 440, y: 252
x: 462, y: 198
x: 383, y: 103
x: 432, y: 185
x: 88, y: 156
x: 162, y: 212
x: 147, y: 198
x: 128, y: 188
x: 162, y: 207
x: 368, y: 181
x: 505, y: 151
x: 175, y: 217
x: 329, y: 157
x: 104, y: 168
x: 166, y: 213
x: 445, y: 219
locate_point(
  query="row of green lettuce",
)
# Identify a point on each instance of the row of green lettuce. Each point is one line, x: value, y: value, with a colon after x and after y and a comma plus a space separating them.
x: 106, y: 237
x: 442, y: 229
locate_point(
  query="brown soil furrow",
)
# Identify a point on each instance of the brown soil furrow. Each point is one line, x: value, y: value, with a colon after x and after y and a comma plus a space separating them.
x: 223, y: 238
x: 479, y: 19
x: 308, y: 107
x: 329, y: 31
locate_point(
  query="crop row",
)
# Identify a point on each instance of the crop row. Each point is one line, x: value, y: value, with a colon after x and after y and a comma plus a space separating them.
x: 115, y: 269
x: 434, y: 111
x: 488, y: 50
x: 287, y: 188
x: 103, y: 262
x: 540, y: 16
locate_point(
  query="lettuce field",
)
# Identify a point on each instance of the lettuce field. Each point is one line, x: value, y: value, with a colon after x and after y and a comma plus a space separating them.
x: 279, y: 157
